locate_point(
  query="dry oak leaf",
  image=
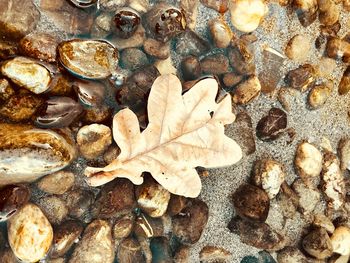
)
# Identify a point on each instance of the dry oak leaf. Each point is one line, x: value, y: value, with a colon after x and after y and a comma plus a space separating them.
x: 184, y: 132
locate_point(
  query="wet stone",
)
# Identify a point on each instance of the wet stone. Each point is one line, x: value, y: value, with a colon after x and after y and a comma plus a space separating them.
x: 125, y: 22
x: 329, y: 12
x: 12, y: 198
x: 161, y: 252
x: 318, y: 244
x: 96, y: 245
x: 30, y: 233
x: 191, y: 68
x: 247, y: 90
x: 288, y: 201
x: 21, y: 107
x: 111, y: 153
x: 123, y: 226
x: 189, y: 43
x: 182, y: 254
x: 249, y: 259
x: 57, y: 183
x: 61, y: 85
x: 129, y: 250
x: 214, y: 254
x: 156, y: 48
x: 241, y: 58
x: 148, y: 227
x: 220, y: 6
x: 100, y: 114
x: 251, y: 202
x: 102, y: 26
x: 7, y: 49
x: 93, y: 140
x: 90, y: 93
x: 231, y: 79
x: 83, y: 3
x: 272, y: 126
x: 215, y: 64
x: 136, y: 40
x: 133, y: 58
x: 7, y: 256
x: 190, y: 223
x: 111, y: 5
x: 54, y: 208
x: 164, y: 22
x: 220, y: 32
x: 39, y: 46
x: 58, y: 112
x: 22, y: 71
x: 91, y: 59
x: 291, y: 255
x: 78, y: 202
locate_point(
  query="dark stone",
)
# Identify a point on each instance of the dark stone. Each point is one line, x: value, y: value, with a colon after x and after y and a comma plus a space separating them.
x: 7, y: 50
x: 176, y: 204
x: 129, y: 251
x: 241, y: 58
x: 12, y: 197
x: 215, y: 64
x: 133, y: 58
x: 189, y: 224
x: 191, y: 68
x: 147, y: 227
x: 318, y: 244
x: 79, y: 202
x: 301, y: 77
x: 90, y: 93
x: 123, y: 226
x: 251, y: 203
x: 126, y: 22
x: 189, y: 43
x: 161, y: 252
x: 250, y: 259
x: 344, y: 85
x: 270, y: 127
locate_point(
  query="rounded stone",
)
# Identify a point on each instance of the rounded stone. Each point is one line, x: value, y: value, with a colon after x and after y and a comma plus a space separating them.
x: 57, y: 183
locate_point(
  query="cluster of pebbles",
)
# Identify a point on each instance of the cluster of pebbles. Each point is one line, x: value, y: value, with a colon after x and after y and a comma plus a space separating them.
x: 58, y: 92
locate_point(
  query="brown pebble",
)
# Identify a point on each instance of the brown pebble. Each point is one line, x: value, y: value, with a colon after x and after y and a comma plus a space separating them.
x: 338, y: 49
x: 247, y: 90
x: 318, y: 244
x: 344, y: 85
x: 301, y: 77
x: 156, y: 48
x: 231, y: 79
x: 215, y: 64
x: 241, y: 58
x: 191, y: 68
x: 57, y: 183
x: 319, y: 95
x: 272, y: 126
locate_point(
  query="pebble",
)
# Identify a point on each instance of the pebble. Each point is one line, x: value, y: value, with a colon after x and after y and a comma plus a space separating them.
x: 59, y: 112
x: 308, y: 197
x: 164, y: 22
x: 93, y: 140
x: 259, y: 235
x: 269, y: 175
x: 61, y: 85
x: 116, y: 198
x: 111, y: 5
x: 189, y: 43
x: 190, y: 223
x: 333, y: 182
x: 325, y: 67
x: 220, y: 6
x: 54, y: 208
x: 215, y: 64
x: 321, y: 220
x: 328, y: 12
x: 8, y: 49
x: 83, y: 3
x: 7, y: 256
x: 191, y: 68
x: 6, y: 90
x: 306, y: 11
x: 90, y: 59
x: 344, y: 153
x: 111, y: 153
x: 96, y: 245
x: 123, y: 226
x: 288, y: 201
x: 65, y: 236
x: 141, y: 6
x: 287, y: 97
x: 136, y: 40
x: 272, y: 126
x: 126, y: 21
x: 100, y: 114
x: 340, y: 240
x: 301, y: 77
x: 318, y: 244
x: 214, y: 254
x: 291, y: 255
x: 133, y: 58
x: 156, y: 48
x: 344, y: 84
x: 78, y: 202
x: 148, y: 227
x: 161, y: 252
x: 12, y: 198
x: 298, y: 48
x: 247, y: 90
x: 102, y: 26
x: 22, y: 162
x: 90, y: 93
x: 176, y: 204
x: 251, y: 203
x: 308, y: 163
x: 29, y: 233
x: 152, y: 198
x: 231, y: 79
x: 319, y: 95
x: 27, y: 73
x: 17, y: 19
x: 21, y: 107
x: 338, y: 49
x: 190, y: 8
x: 40, y: 46
x: 129, y: 250
x: 182, y: 254
x: 220, y: 32
x: 241, y: 57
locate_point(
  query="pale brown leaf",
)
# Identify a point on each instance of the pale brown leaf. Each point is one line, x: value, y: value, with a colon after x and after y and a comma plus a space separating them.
x: 184, y: 132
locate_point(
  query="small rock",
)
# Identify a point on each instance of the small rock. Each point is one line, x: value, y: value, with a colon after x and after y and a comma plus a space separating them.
x: 247, y: 90
x: 191, y: 68
x: 220, y: 32
x: 65, y: 235
x: 298, y: 48
x: 133, y: 58
x: 141, y: 6
x: 12, y: 198
x: 220, y: 6
x: 39, y: 46
x: 7, y: 256
x: 161, y: 252
x: 306, y: 11
x: 338, y: 49
x: 156, y: 49
x: 78, y: 202
x: 325, y: 67
x: 134, y: 41
x: 333, y: 183
x: 214, y: 254
x: 123, y: 226
x: 344, y: 153
x: 340, y: 240
x: 6, y: 90
x: 259, y: 235
x: 28, y: 74
x: 344, y: 85
x: 231, y: 79
x: 251, y: 203
x: 241, y: 57
x: 152, y: 198
x: 269, y: 175
x: 288, y: 201
x: 7, y: 49
x: 111, y: 154
x: 182, y: 254
x: 90, y: 93
x: 111, y: 5
x: 190, y: 223
x: 93, y: 140
x: 308, y: 163
x: 190, y: 8
x: 291, y: 255
x: 165, y: 66
x: 97, y: 114
x: 57, y: 183
x: 215, y: 64
x: 176, y: 204
x: 116, y: 198
x: 126, y: 21
x: 286, y: 97
x: 96, y: 246
x: 301, y: 77
x: 21, y: 107
x: 321, y: 220
x: 328, y: 12
x: 54, y: 208
x: 272, y: 126
x: 318, y: 244
x: 319, y: 95
x: 102, y: 26
x: 129, y: 250
x: 148, y: 227
x: 308, y: 197
x: 61, y: 85
x: 30, y: 233
x: 189, y: 43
